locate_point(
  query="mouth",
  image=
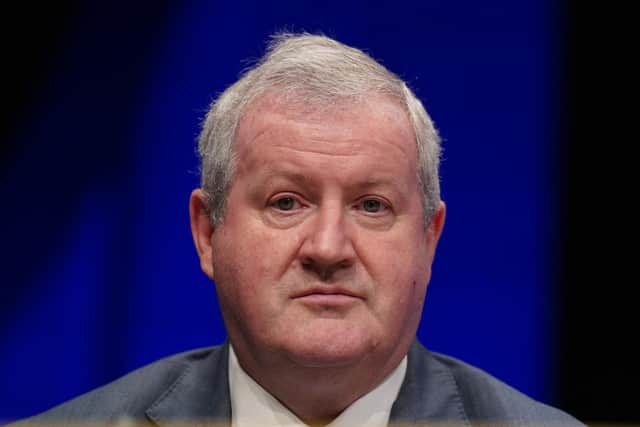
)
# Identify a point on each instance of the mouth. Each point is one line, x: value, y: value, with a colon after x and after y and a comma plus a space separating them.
x: 327, y: 296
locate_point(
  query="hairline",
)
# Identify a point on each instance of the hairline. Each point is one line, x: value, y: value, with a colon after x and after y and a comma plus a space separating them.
x: 217, y: 141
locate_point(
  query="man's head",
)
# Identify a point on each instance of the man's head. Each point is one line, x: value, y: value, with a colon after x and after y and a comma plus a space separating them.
x: 312, y: 73
x: 319, y: 217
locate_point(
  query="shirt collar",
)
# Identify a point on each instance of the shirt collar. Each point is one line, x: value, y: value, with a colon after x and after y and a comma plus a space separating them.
x: 252, y: 405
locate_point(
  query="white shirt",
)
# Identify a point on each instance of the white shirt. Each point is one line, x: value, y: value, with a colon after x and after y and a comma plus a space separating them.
x: 253, y: 406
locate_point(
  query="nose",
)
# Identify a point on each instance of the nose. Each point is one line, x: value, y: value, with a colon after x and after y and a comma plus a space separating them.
x: 327, y: 247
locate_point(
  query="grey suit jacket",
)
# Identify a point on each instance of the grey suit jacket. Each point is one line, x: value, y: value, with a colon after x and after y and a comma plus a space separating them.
x: 193, y: 387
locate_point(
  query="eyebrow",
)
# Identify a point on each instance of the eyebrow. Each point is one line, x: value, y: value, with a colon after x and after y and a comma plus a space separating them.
x: 297, y: 177
x: 278, y: 172
x: 372, y: 182
x: 388, y: 182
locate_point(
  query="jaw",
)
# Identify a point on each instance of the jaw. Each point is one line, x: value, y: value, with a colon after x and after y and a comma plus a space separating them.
x: 328, y: 354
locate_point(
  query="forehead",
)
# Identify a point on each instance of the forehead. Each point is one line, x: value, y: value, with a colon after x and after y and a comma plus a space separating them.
x: 331, y: 126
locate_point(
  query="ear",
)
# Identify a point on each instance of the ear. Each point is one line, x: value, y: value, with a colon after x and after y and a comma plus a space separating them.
x: 202, y: 230
x: 435, y: 230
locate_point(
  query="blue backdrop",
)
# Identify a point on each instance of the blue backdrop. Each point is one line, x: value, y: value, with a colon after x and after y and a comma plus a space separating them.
x: 100, y: 275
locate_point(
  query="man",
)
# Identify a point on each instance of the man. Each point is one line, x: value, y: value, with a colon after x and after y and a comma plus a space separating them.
x: 318, y: 220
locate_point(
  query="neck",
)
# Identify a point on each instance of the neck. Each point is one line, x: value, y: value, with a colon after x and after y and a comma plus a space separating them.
x: 315, y: 394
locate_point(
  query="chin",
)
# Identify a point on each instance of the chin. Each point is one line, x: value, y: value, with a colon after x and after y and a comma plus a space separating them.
x: 335, y: 348
x: 325, y: 358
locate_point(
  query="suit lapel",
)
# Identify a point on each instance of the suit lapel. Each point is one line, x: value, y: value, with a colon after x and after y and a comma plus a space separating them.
x: 429, y: 392
x: 200, y: 395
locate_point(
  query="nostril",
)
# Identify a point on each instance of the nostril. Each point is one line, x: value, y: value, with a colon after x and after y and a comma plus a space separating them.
x: 345, y: 263
x: 312, y: 266
x: 324, y: 271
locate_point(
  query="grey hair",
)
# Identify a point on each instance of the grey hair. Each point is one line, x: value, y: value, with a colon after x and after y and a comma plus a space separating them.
x: 312, y: 71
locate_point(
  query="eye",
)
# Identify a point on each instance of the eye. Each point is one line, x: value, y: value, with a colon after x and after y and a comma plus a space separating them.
x: 286, y: 203
x: 373, y: 206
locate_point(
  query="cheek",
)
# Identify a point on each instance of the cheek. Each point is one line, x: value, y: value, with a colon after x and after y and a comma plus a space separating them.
x: 249, y: 259
x: 400, y: 274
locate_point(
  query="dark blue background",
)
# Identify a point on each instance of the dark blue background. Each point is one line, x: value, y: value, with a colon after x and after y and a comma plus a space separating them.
x: 100, y: 275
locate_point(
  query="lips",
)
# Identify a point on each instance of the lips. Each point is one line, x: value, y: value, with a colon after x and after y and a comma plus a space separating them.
x: 326, y: 293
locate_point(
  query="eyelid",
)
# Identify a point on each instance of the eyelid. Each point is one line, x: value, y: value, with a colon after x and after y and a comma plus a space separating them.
x: 286, y: 195
x: 386, y: 205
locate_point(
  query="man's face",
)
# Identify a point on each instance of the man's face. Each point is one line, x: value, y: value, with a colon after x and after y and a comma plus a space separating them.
x: 322, y: 258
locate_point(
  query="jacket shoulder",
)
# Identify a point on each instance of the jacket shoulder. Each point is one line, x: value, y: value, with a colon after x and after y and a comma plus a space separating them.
x: 127, y: 397
x: 487, y: 399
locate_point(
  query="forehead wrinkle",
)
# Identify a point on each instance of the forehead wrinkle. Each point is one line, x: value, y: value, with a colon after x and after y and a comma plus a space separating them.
x: 344, y: 148
x: 313, y: 128
x: 349, y: 144
x: 289, y: 167
x: 328, y: 151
